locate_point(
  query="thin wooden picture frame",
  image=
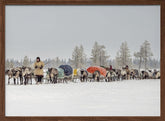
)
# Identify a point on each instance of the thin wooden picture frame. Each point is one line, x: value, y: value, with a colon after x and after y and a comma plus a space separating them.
x: 3, y: 3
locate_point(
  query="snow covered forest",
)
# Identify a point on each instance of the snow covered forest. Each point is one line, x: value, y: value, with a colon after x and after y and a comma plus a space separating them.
x: 142, y: 58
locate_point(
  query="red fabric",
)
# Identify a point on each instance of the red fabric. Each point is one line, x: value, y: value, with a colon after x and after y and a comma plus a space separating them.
x: 92, y: 69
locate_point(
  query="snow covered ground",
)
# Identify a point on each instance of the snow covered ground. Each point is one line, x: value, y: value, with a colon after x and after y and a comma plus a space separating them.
x: 122, y: 98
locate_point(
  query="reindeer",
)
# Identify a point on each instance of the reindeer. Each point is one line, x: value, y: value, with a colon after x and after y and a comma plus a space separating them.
x: 110, y: 76
x: 16, y: 75
x: 10, y: 74
x: 156, y: 74
x: 123, y: 73
x: 96, y: 76
x: 27, y: 74
x: 52, y: 75
x: 118, y: 74
x: 134, y: 74
x: 144, y: 75
x: 83, y: 75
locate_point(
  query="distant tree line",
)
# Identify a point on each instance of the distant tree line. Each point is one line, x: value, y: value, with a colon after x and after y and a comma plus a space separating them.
x: 99, y: 57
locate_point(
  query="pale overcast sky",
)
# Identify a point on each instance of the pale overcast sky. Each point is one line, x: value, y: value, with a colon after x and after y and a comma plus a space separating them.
x: 51, y: 31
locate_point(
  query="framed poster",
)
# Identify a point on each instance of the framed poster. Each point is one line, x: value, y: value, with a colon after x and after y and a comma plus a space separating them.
x: 82, y: 60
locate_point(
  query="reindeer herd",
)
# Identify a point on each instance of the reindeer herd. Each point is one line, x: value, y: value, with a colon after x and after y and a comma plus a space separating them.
x: 20, y: 75
x: 25, y: 75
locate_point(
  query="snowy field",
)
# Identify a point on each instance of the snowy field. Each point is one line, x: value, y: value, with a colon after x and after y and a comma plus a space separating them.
x: 120, y: 98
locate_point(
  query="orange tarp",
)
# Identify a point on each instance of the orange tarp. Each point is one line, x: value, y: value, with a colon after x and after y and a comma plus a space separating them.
x: 92, y: 69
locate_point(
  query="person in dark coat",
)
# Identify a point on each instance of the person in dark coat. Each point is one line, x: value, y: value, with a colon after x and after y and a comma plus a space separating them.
x: 128, y: 72
x: 110, y: 67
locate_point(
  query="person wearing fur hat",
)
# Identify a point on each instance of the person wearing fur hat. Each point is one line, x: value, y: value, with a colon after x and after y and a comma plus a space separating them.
x: 38, y: 72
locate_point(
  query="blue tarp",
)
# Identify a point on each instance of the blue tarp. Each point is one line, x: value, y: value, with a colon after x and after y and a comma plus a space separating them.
x: 67, y: 69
